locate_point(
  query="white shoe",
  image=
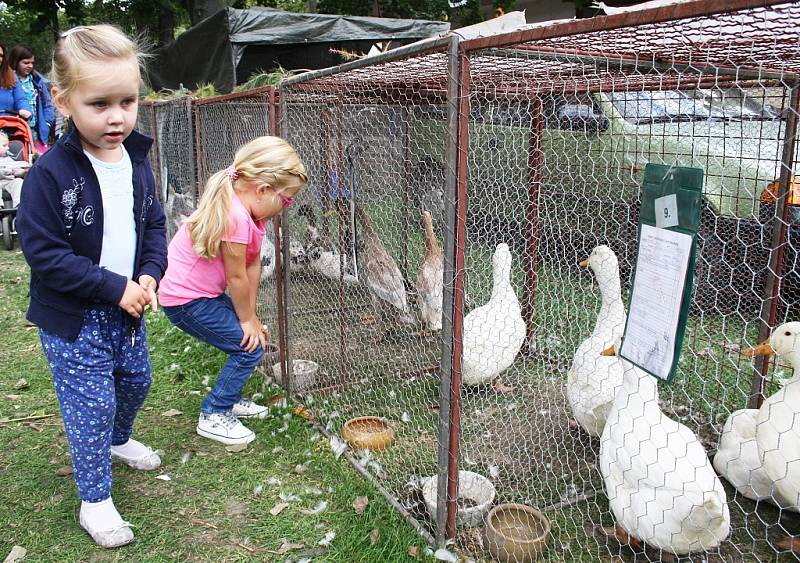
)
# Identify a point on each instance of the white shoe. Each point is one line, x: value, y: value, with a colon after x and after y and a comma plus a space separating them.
x: 136, y: 455
x: 224, y: 428
x: 113, y: 532
x: 248, y: 409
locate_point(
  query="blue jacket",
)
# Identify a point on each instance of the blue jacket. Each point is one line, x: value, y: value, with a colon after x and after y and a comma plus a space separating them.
x: 44, y: 106
x: 60, y: 226
x: 14, y: 99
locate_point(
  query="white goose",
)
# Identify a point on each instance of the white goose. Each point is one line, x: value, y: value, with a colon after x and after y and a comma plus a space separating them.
x: 593, y: 379
x: 737, y: 458
x: 493, y: 332
x: 778, y: 425
x: 660, y: 484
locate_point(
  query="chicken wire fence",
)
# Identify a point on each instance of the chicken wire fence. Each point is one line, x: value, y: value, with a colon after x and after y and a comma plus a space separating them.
x: 525, y: 153
x: 528, y: 150
x: 195, y: 137
x: 172, y: 157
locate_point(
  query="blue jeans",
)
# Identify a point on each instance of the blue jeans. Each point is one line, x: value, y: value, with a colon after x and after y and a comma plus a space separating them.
x: 214, y: 321
x: 101, y: 380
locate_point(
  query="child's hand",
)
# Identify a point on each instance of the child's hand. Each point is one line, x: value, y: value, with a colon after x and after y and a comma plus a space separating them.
x: 134, y: 299
x: 149, y: 284
x: 253, y: 335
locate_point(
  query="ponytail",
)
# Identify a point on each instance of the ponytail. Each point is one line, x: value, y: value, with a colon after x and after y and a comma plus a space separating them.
x: 207, y: 225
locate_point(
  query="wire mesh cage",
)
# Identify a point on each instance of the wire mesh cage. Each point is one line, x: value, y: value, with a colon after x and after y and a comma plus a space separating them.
x: 366, y: 256
x: 226, y: 122
x: 169, y: 122
x: 561, y: 124
x: 465, y: 248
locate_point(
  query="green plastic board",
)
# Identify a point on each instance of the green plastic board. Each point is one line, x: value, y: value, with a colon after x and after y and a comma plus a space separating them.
x: 661, y: 291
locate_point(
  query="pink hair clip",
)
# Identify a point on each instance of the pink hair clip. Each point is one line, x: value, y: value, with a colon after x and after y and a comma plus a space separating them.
x: 232, y: 173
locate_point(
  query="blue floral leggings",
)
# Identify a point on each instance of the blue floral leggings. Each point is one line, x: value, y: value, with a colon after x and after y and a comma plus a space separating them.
x: 101, y: 380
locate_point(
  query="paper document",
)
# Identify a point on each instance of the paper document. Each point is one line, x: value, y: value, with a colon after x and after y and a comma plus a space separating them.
x: 656, y: 296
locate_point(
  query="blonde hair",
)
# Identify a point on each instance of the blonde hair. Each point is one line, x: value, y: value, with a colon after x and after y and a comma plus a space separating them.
x: 91, y: 44
x: 264, y: 160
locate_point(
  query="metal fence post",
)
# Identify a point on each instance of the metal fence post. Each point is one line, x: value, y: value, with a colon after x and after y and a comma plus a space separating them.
x: 769, y: 305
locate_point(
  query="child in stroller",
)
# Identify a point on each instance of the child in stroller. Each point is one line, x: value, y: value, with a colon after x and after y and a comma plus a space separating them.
x: 16, y: 154
x: 11, y: 170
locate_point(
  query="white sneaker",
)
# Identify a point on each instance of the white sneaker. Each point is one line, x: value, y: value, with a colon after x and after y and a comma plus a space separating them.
x: 104, y: 524
x: 225, y: 428
x: 136, y: 455
x: 248, y: 409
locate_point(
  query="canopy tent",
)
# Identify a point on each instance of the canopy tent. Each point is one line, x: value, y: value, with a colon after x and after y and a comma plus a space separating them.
x: 225, y: 48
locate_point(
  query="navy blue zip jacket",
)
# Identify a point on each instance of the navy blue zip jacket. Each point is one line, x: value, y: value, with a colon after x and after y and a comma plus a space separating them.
x: 60, y: 226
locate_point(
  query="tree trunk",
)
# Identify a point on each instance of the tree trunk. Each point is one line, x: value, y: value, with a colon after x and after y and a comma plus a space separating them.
x: 166, y: 25
x: 201, y: 9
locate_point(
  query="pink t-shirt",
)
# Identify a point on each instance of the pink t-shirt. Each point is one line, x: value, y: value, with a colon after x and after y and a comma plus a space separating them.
x: 191, y: 277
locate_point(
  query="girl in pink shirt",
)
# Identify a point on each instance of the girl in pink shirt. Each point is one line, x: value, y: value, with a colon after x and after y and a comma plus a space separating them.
x: 217, y: 248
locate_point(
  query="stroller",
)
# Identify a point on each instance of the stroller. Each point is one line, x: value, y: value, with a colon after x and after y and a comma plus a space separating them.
x: 20, y: 147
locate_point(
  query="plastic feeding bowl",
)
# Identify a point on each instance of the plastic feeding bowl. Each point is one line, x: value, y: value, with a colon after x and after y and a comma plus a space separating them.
x: 475, y: 496
x: 368, y: 432
x: 515, y: 532
x: 304, y: 374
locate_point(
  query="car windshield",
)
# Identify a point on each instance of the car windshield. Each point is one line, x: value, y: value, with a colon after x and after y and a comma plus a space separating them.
x: 694, y: 105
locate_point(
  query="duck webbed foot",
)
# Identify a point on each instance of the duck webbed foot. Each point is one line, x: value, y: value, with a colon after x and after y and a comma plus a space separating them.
x: 500, y: 388
x: 620, y: 535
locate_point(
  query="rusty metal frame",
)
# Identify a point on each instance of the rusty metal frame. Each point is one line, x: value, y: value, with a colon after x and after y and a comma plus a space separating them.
x: 771, y: 295
x: 672, y: 12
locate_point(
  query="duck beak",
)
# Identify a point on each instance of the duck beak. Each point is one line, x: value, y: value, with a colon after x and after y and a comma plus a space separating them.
x: 584, y: 263
x: 608, y: 352
x: 763, y: 349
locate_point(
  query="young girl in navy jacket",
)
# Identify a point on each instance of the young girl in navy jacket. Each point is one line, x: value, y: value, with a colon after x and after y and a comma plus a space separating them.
x: 93, y: 234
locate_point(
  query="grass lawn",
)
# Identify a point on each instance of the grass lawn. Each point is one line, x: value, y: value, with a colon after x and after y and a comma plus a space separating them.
x: 216, y: 505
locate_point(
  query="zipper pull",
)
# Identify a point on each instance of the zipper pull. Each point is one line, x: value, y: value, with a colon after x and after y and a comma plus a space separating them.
x: 133, y: 336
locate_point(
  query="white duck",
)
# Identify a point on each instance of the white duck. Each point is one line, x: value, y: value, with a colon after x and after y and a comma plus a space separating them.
x: 738, y: 459
x: 593, y: 379
x: 327, y: 262
x: 739, y: 456
x: 430, y: 278
x: 297, y: 256
x: 778, y: 425
x: 660, y: 484
x: 494, y: 332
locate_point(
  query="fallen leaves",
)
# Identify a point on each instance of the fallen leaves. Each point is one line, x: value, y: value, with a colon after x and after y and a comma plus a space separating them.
x: 164, y: 477
x: 360, y: 504
x: 287, y: 546
x: 234, y: 448
x: 64, y: 471
x: 171, y: 413
x: 13, y: 397
x: 235, y: 507
x: 303, y: 412
x: 16, y: 554
x: 278, y: 508
x: 374, y: 536
x: 21, y: 384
